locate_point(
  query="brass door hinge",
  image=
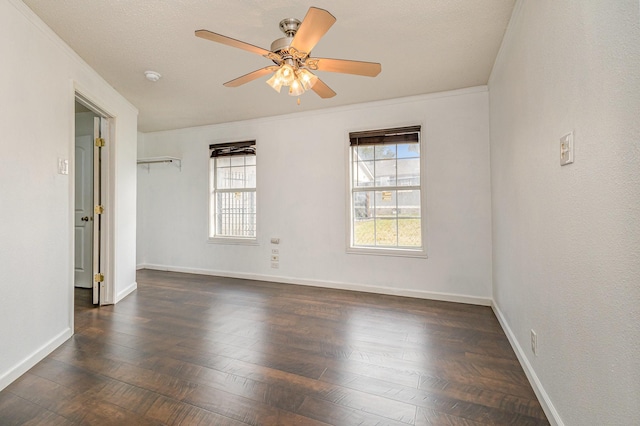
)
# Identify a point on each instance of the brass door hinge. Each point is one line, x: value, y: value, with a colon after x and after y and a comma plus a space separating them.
x: 98, y: 209
x: 98, y: 277
x: 100, y: 142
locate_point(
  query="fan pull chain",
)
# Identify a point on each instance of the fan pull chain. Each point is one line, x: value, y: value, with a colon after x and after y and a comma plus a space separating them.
x: 298, y: 101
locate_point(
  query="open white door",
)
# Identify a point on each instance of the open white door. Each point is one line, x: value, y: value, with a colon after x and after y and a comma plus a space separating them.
x: 83, y: 231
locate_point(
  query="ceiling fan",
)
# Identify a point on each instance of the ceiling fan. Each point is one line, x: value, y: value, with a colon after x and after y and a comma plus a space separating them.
x: 290, y: 54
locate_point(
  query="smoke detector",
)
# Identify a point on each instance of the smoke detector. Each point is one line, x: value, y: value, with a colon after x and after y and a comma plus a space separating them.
x: 152, y: 76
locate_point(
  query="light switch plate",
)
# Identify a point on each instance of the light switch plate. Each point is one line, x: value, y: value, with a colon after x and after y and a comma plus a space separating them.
x: 566, y: 149
x: 63, y: 166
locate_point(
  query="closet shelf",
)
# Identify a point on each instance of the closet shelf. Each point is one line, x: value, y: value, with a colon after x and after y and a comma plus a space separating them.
x: 147, y: 162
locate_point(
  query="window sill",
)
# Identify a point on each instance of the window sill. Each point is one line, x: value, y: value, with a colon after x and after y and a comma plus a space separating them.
x: 233, y: 241
x: 387, y: 252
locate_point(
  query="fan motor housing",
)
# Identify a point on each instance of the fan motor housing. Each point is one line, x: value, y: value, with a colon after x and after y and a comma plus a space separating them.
x: 289, y: 26
x: 281, y: 44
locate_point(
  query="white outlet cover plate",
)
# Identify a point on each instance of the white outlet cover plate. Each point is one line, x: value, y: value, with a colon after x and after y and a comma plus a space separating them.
x: 534, y: 342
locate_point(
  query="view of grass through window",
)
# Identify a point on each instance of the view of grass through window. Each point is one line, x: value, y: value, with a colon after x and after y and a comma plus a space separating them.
x: 386, y: 232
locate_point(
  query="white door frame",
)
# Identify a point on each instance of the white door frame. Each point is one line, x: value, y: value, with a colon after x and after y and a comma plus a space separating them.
x: 107, y: 195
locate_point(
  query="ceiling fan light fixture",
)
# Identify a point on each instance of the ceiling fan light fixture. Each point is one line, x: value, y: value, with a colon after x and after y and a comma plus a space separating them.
x: 307, y: 78
x: 275, y: 82
x: 296, y: 88
x: 290, y: 54
x: 287, y: 74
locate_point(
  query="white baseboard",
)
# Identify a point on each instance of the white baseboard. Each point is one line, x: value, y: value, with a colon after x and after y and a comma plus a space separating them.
x: 37, y: 356
x: 543, y: 397
x: 127, y: 291
x: 418, y: 294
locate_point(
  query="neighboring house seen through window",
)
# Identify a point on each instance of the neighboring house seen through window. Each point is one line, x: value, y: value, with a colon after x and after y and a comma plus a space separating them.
x: 386, y: 191
x: 232, y: 213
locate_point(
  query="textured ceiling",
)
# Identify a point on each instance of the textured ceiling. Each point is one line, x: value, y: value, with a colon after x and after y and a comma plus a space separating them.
x: 424, y: 46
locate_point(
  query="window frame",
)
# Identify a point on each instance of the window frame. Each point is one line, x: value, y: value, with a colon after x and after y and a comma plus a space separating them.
x: 212, y: 237
x: 420, y: 252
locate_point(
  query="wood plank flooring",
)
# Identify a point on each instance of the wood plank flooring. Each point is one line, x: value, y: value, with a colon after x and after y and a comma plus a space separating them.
x: 198, y: 350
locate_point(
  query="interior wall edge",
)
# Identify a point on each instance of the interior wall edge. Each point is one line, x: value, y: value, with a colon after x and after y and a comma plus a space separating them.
x: 545, y: 401
x: 31, y: 360
x: 126, y: 291
x: 508, y: 35
x: 335, y: 285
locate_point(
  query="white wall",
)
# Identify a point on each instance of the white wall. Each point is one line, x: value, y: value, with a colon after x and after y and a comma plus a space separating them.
x: 37, y: 79
x: 566, y: 240
x: 302, y: 198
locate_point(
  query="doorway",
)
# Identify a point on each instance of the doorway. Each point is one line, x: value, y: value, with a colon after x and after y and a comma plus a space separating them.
x: 91, y: 133
x: 83, y: 213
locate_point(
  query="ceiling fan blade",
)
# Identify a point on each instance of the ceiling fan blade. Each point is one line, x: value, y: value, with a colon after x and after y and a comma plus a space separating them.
x: 218, y: 38
x: 314, y: 25
x: 323, y: 90
x: 369, y: 69
x: 251, y: 76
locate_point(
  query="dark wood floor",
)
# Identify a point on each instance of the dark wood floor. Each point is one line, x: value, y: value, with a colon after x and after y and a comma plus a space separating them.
x: 189, y: 349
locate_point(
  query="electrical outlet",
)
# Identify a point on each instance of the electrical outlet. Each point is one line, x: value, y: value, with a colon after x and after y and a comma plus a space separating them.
x: 275, y: 251
x: 275, y: 265
x: 534, y: 342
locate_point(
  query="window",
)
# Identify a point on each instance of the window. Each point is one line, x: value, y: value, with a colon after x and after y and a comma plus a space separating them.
x: 233, y: 191
x: 386, y: 192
